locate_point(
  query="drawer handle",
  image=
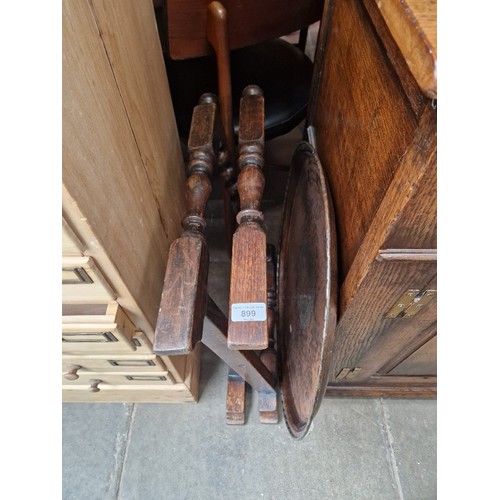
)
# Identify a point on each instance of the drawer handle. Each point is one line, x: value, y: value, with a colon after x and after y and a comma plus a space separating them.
x: 132, y: 362
x: 72, y: 372
x: 75, y: 276
x: 146, y: 378
x: 94, y: 384
x: 88, y: 337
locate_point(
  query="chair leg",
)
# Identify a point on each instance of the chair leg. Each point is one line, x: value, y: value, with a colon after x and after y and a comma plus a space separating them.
x: 218, y: 37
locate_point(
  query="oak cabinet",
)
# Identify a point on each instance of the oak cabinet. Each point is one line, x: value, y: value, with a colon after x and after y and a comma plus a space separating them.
x: 374, y: 109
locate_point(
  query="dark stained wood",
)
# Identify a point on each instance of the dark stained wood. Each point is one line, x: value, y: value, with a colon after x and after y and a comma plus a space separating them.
x: 248, y: 266
x: 406, y: 350
x: 422, y: 361
x: 401, y: 207
x: 268, y: 402
x: 183, y: 300
x: 249, y: 23
x: 245, y: 363
x: 363, y: 121
x: 399, y: 340
x: 364, y: 323
x: 182, y: 308
x: 307, y: 290
x: 417, y: 222
x: 248, y: 285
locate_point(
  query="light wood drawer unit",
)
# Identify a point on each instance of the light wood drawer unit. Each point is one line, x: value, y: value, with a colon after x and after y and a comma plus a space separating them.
x: 131, y: 393
x: 73, y: 366
x: 82, y: 282
x: 97, y: 379
x: 123, y: 200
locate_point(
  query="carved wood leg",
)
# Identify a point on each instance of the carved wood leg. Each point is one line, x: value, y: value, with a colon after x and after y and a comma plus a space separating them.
x: 247, y: 293
x: 187, y: 314
x: 183, y: 301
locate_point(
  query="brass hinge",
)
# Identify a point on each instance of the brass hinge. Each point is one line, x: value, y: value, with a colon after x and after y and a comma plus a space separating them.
x: 410, y: 303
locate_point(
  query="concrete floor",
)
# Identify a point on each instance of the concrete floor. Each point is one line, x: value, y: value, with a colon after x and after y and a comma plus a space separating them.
x: 378, y: 449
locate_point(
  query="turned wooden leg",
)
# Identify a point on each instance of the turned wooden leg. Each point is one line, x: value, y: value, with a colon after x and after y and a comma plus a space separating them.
x: 248, y: 288
x: 183, y: 301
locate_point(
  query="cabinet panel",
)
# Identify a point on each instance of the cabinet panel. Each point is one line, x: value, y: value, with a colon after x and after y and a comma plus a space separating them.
x: 422, y: 362
x: 363, y: 121
x: 103, y: 166
x: 370, y: 339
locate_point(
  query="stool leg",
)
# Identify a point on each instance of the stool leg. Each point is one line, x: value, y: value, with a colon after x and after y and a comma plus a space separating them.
x: 235, y: 399
x: 268, y: 401
x: 247, y: 291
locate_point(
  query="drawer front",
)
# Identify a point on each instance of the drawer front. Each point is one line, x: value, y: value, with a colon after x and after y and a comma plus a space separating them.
x: 112, y: 333
x: 89, y: 338
x: 82, y: 282
x: 74, y: 366
x: 97, y: 380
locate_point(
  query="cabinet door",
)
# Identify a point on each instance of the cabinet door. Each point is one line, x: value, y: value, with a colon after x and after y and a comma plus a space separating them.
x: 386, y: 340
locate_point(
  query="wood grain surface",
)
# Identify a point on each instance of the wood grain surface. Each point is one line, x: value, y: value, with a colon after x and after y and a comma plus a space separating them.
x: 409, y: 199
x: 249, y: 23
x: 307, y: 291
x: 365, y: 324
x: 109, y: 154
x: 413, y: 24
x: 135, y: 56
x: 363, y: 121
x: 249, y: 262
x: 248, y: 285
x: 183, y: 305
x: 183, y: 301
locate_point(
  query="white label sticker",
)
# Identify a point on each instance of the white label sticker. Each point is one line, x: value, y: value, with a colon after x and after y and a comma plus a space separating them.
x: 250, y: 311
